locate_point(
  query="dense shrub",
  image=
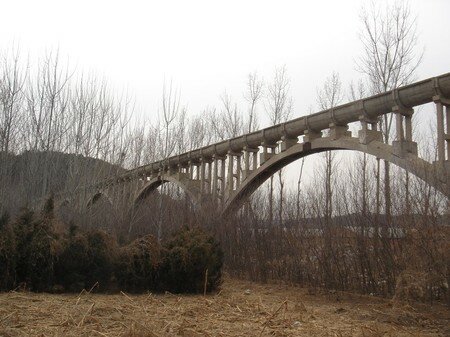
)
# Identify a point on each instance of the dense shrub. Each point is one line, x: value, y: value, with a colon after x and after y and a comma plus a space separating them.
x: 41, y: 258
x: 86, y: 258
x: 36, y: 248
x: 188, y: 255
x: 7, y: 254
x: 102, y: 253
x: 138, y: 265
x: 72, y: 266
x: 23, y: 229
x: 37, y: 254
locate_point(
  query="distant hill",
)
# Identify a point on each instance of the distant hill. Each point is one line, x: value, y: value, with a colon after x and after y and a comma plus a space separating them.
x: 34, y: 175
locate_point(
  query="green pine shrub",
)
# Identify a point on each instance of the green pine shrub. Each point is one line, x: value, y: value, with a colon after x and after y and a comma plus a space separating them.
x: 138, y: 264
x: 41, y: 257
x: 72, y: 266
x: 41, y: 250
x: 23, y: 233
x: 188, y: 255
x: 36, y: 248
x: 7, y: 254
x: 102, y: 254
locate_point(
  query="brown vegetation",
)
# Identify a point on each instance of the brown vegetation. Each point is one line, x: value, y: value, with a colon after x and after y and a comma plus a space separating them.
x: 239, y: 309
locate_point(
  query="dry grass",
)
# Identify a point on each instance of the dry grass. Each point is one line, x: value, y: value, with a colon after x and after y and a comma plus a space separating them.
x: 239, y: 309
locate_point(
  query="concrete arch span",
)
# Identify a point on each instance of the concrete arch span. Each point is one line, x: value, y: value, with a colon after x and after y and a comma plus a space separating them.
x: 188, y: 186
x: 410, y: 162
x: 96, y: 197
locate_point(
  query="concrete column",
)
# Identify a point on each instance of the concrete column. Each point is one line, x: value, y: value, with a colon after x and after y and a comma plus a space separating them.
x: 215, y: 176
x: 287, y: 142
x: 408, y: 128
x: 403, y: 143
x: 399, y: 126
x: 363, y: 122
x: 266, y: 155
x: 250, y: 159
x: 440, y: 131
x: 373, y: 126
x: 310, y: 135
x: 197, y: 172
x: 447, y: 136
x: 338, y: 131
x: 238, y: 170
x: 246, y: 161
x: 367, y: 135
x: 209, y: 176
x: 191, y: 170
x: 255, y: 159
x: 222, y: 178
x: 202, y: 175
x: 230, y: 175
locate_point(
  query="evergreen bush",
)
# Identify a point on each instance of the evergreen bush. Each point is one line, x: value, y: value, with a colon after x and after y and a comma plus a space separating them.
x: 189, y: 255
x: 40, y: 258
x: 41, y: 250
x: 23, y: 230
x: 73, y: 262
x: 7, y: 254
x: 138, y: 265
x: 102, y: 253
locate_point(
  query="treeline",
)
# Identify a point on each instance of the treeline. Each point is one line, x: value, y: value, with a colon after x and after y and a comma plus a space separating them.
x: 39, y: 253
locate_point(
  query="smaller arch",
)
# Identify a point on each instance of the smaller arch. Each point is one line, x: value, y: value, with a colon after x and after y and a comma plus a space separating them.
x: 96, y: 197
x: 188, y: 186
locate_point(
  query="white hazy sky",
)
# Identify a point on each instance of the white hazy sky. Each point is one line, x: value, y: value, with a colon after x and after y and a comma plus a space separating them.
x: 206, y: 47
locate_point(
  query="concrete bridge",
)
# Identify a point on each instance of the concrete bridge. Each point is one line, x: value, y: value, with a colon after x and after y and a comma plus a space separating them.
x: 226, y: 173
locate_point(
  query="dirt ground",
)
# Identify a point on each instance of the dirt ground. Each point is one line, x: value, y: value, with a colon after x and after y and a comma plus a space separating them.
x: 239, y: 309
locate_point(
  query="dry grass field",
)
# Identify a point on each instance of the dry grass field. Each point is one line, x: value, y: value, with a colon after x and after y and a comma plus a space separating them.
x: 239, y: 309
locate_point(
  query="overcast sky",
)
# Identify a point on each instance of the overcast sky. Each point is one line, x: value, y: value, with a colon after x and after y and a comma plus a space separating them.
x: 206, y: 47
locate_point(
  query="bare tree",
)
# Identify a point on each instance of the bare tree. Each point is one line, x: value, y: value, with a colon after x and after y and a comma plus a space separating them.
x: 329, y: 96
x: 390, y: 59
x: 358, y: 91
x: 252, y: 96
x: 278, y: 106
x: 170, y: 112
x: 12, y: 81
x: 231, y: 117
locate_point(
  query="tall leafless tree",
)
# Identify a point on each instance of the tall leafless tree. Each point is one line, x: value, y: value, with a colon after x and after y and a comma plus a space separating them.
x: 252, y: 96
x: 329, y: 96
x: 278, y: 105
x: 391, y: 56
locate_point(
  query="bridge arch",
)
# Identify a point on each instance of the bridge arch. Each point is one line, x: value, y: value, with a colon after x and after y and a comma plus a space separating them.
x: 410, y: 162
x: 96, y: 197
x: 187, y: 186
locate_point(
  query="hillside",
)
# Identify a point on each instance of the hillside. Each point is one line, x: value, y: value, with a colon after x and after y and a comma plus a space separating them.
x: 34, y: 175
